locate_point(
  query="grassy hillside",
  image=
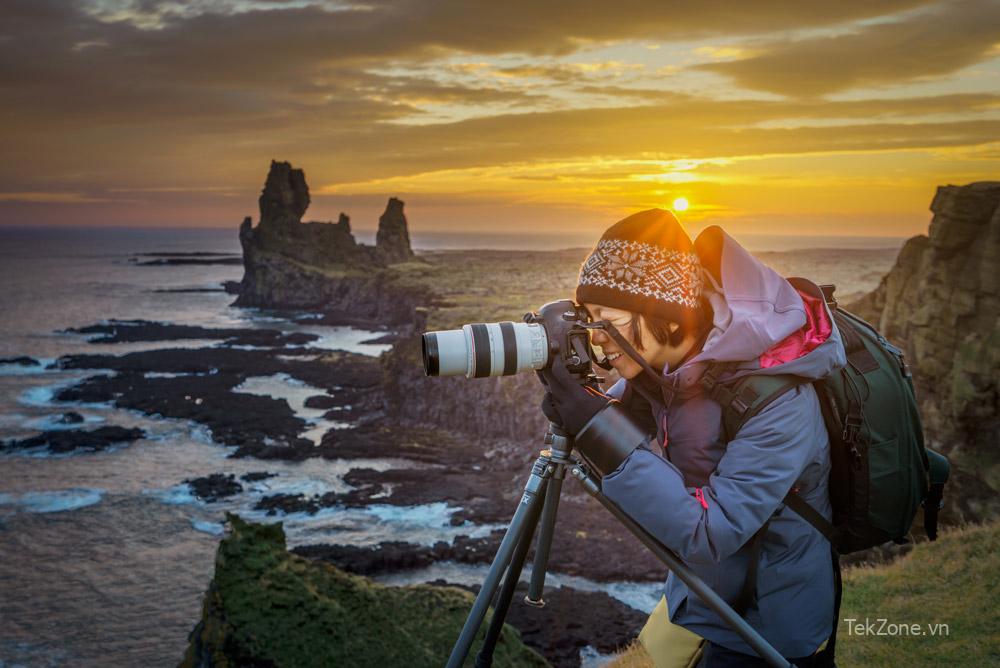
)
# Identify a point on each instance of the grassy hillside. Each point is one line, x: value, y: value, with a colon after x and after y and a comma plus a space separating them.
x: 266, y: 607
x: 954, y: 582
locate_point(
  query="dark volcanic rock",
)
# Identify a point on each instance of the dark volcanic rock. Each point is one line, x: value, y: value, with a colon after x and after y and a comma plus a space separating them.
x: 289, y: 503
x: 572, y: 620
x: 214, y: 487
x: 127, y: 331
x: 385, y: 338
x: 181, y: 261
x: 70, y: 417
x: 291, y: 264
x: 256, y: 476
x: 20, y: 361
x: 392, y: 556
x: 323, y: 401
x: 261, y: 426
x: 392, y: 241
x: 69, y: 440
x: 285, y: 197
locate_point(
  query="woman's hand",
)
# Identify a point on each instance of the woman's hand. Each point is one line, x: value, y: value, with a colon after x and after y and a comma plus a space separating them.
x: 568, y: 403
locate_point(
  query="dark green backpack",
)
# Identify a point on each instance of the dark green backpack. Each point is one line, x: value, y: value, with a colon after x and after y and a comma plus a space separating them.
x: 880, y: 470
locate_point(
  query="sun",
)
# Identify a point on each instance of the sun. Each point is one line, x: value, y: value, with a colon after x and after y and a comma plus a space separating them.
x: 680, y: 204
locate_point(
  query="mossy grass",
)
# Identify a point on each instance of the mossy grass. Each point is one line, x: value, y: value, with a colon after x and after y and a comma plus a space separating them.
x: 949, y: 588
x: 266, y: 607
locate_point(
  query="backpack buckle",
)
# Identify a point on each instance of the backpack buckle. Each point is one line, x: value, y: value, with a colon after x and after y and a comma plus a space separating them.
x: 852, y: 428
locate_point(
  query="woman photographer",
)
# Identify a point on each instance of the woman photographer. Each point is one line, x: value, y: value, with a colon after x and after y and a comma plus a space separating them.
x: 690, y: 311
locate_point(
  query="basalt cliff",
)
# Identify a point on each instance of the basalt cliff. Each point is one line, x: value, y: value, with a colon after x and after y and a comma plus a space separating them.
x: 941, y: 304
x: 290, y: 264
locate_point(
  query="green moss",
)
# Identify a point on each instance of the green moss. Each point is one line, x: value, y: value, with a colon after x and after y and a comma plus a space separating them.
x: 267, y: 607
x: 954, y: 581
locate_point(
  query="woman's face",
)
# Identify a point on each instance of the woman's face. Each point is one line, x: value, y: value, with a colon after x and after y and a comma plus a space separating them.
x: 655, y: 353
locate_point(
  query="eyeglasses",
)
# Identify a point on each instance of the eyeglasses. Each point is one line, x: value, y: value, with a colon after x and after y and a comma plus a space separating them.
x: 620, y: 320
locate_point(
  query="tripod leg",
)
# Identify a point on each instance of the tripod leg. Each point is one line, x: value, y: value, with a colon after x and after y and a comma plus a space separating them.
x: 484, y: 659
x: 545, y: 532
x: 533, y: 491
x: 686, y: 575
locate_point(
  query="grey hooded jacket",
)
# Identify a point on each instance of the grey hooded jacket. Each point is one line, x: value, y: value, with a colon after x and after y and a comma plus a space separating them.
x: 705, y: 499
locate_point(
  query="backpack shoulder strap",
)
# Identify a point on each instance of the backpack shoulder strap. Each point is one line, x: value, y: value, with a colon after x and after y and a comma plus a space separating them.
x: 745, y: 397
x: 810, y: 514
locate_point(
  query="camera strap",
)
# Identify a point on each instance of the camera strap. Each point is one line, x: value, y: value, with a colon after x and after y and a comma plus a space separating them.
x: 627, y: 348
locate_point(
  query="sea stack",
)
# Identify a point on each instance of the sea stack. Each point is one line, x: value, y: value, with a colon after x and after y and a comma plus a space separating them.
x: 392, y: 241
x: 291, y: 264
x: 285, y: 197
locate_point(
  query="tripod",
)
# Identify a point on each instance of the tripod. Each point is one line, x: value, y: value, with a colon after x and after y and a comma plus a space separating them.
x: 540, y: 502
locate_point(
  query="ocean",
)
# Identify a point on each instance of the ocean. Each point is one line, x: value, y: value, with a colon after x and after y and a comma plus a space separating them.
x: 105, y: 556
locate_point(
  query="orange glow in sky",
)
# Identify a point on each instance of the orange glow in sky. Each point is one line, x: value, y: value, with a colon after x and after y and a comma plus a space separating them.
x: 773, y: 117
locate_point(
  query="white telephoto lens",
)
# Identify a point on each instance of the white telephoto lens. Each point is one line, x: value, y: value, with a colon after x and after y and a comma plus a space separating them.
x: 485, y: 349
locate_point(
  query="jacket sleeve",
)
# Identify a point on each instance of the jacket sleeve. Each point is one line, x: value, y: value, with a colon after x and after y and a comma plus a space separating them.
x: 759, y: 467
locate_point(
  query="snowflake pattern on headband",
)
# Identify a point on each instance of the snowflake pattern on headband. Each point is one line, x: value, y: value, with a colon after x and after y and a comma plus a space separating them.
x: 644, y: 269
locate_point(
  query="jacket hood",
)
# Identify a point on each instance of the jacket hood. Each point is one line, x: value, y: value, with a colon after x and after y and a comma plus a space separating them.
x: 762, y: 322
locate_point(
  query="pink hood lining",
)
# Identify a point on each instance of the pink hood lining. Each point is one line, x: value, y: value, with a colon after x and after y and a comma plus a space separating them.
x: 803, y: 341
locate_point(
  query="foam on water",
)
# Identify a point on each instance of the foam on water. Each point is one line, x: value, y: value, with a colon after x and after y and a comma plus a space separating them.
x: 363, y: 527
x: 641, y: 596
x: 52, y: 422
x: 175, y: 496
x: 169, y: 374
x: 345, y: 338
x: 44, y: 395
x: 53, y: 501
x: 211, y: 528
x: 21, y: 370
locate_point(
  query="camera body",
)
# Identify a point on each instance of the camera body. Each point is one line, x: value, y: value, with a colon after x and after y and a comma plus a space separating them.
x: 558, y: 332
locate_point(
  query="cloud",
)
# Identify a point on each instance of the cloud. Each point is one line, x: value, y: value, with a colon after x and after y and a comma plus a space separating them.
x: 927, y: 44
x: 154, y: 99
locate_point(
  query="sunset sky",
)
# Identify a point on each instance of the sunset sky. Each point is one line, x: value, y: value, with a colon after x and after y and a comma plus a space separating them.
x: 771, y: 116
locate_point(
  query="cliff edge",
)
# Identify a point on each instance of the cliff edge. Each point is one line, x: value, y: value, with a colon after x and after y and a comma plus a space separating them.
x: 267, y: 607
x: 941, y: 303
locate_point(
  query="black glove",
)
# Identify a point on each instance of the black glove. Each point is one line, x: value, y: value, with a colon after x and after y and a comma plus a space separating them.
x: 568, y: 403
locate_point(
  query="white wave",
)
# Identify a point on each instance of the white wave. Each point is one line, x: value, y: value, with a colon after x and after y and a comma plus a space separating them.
x: 21, y: 370
x: 642, y: 596
x: 175, y: 496
x: 53, y: 501
x: 370, y: 525
x: 52, y: 422
x: 211, y: 528
x: 44, y: 395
